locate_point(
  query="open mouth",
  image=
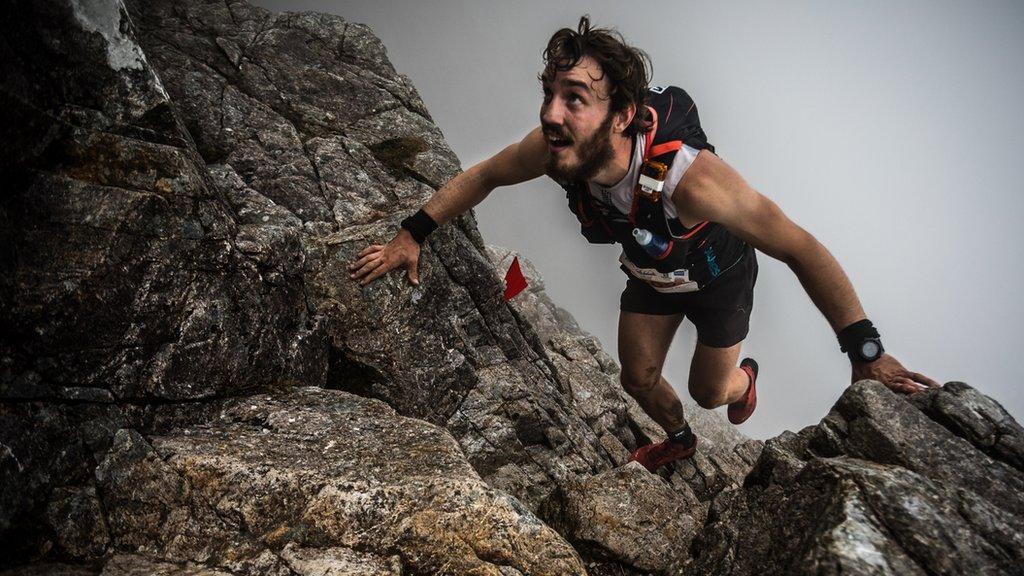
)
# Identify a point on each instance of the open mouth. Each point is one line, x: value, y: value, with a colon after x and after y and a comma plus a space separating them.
x: 557, y: 144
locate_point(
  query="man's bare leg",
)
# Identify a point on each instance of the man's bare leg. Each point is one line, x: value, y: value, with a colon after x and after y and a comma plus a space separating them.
x: 644, y: 340
x: 715, y: 379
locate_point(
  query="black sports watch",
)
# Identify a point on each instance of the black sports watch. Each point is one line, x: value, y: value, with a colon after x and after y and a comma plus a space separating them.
x: 869, y: 350
x: 860, y: 341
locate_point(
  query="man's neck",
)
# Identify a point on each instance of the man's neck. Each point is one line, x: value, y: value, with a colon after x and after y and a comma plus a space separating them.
x: 617, y: 168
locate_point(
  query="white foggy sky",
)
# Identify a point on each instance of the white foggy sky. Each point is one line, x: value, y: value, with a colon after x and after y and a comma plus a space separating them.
x: 890, y: 131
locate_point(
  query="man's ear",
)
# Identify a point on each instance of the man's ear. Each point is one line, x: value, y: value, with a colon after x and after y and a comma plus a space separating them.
x: 624, y: 117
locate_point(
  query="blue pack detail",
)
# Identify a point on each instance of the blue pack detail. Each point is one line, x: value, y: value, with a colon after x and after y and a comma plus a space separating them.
x: 709, y: 254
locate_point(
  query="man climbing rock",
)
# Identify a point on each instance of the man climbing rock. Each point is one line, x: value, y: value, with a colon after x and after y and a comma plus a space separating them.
x: 638, y: 170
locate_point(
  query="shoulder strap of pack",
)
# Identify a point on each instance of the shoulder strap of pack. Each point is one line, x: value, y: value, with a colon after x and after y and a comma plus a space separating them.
x: 663, y: 146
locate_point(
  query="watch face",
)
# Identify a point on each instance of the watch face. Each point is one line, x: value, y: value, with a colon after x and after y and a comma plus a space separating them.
x: 870, y: 349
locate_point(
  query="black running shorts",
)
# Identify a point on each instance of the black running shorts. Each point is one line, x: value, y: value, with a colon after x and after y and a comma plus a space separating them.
x: 721, y: 311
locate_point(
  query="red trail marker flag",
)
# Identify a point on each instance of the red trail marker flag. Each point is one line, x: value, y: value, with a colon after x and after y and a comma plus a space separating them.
x: 514, y: 280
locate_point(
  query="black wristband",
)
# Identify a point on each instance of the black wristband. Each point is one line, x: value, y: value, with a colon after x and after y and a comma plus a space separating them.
x: 419, y: 225
x: 856, y: 333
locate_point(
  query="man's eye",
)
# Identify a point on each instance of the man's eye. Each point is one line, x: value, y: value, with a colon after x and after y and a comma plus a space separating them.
x: 575, y: 97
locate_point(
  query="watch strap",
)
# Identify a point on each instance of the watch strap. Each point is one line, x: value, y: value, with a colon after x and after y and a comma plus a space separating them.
x: 851, y: 336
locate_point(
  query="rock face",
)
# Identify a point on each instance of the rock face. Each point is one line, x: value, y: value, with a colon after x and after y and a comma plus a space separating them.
x: 880, y: 486
x: 294, y: 481
x: 191, y: 384
x: 631, y: 516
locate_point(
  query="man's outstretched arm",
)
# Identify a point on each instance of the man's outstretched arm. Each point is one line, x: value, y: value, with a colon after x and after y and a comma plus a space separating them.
x: 517, y: 163
x: 712, y: 190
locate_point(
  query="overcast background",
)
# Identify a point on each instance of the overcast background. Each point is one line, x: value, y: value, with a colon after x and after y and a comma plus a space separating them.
x: 891, y: 131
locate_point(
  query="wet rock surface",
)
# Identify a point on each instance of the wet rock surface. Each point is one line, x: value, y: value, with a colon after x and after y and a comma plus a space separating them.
x: 190, y: 383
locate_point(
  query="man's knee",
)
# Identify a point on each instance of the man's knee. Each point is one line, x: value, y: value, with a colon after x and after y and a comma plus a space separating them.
x: 640, y: 381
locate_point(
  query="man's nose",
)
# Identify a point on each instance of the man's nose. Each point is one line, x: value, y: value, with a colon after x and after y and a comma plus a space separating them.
x: 552, y: 112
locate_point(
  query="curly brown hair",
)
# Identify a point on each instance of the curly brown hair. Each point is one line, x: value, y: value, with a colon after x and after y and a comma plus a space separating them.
x: 628, y: 69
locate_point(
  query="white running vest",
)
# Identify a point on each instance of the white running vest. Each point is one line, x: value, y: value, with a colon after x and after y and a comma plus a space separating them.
x: 620, y: 195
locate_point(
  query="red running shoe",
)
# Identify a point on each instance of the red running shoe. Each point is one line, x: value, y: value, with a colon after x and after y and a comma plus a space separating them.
x: 654, y: 456
x: 741, y: 409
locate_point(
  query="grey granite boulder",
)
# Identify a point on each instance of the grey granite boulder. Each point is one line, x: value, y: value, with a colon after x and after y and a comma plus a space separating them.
x: 629, y: 520
x: 976, y: 418
x: 877, y: 487
x: 317, y: 478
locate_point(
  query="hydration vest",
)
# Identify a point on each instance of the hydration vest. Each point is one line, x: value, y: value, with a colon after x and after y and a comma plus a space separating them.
x: 704, y: 251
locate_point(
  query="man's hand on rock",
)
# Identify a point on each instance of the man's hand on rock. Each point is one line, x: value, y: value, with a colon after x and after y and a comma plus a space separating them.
x: 890, y: 372
x: 376, y: 260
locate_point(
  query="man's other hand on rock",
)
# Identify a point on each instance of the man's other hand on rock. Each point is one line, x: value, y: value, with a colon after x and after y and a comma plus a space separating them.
x: 890, y: 372
x: 376, y: 260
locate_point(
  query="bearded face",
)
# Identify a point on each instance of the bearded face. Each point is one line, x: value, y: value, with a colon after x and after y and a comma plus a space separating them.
x: 578, y: 159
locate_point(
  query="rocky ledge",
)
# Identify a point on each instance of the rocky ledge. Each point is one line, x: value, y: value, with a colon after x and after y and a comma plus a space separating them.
x: 191, y: 384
